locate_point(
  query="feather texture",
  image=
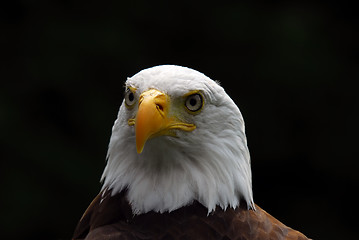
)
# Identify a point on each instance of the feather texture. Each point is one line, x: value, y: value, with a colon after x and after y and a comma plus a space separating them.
x: 112, y: 218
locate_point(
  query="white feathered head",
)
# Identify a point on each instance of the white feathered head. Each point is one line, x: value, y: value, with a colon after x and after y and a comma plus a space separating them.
x: 178, y: 138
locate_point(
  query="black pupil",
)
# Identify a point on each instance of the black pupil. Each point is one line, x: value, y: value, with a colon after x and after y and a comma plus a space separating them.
x: 131, y: 97
x: 193, y: 102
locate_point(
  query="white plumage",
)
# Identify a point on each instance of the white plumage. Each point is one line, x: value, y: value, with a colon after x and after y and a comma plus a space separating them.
x: 210, y: 164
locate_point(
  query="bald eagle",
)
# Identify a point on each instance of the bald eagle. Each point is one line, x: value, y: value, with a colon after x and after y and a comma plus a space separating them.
x: 178, y: 166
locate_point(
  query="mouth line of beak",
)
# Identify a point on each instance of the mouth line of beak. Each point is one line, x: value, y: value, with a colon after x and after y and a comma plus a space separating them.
x: 188, y: 127
x: 167, y: 130
x: 131, y: 122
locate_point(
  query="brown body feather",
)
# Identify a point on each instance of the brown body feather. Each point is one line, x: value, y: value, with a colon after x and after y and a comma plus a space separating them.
x: 112, y: 218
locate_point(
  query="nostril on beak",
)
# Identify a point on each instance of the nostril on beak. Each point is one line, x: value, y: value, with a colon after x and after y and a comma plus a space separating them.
x: 159, y: 106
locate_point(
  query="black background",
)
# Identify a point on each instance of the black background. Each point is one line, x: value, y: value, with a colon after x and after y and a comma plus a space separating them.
x: 290, y: 67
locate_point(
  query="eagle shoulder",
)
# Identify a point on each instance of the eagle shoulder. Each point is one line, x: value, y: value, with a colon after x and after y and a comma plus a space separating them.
x: 110, y: 217
x: 104, y: 210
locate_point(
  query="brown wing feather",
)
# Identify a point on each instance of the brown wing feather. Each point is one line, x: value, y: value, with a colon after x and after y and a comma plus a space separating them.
x: 83, y: 227
x: 112, y: 218
x: 103, y: 210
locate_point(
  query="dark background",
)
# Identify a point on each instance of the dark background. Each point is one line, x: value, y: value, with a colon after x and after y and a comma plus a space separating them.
x: 290, y: 67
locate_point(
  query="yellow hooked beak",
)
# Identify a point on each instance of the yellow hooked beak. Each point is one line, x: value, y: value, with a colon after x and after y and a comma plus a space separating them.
x: 153, y: 118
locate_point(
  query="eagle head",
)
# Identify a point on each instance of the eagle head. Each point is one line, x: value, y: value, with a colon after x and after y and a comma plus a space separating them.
x: 178, y: 138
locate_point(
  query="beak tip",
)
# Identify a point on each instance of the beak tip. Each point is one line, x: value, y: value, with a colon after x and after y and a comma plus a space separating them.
x: 139, y: 149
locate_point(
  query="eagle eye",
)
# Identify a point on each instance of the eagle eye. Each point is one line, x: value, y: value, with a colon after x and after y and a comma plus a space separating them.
x: 194, y: 102
x: 129, y: 98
